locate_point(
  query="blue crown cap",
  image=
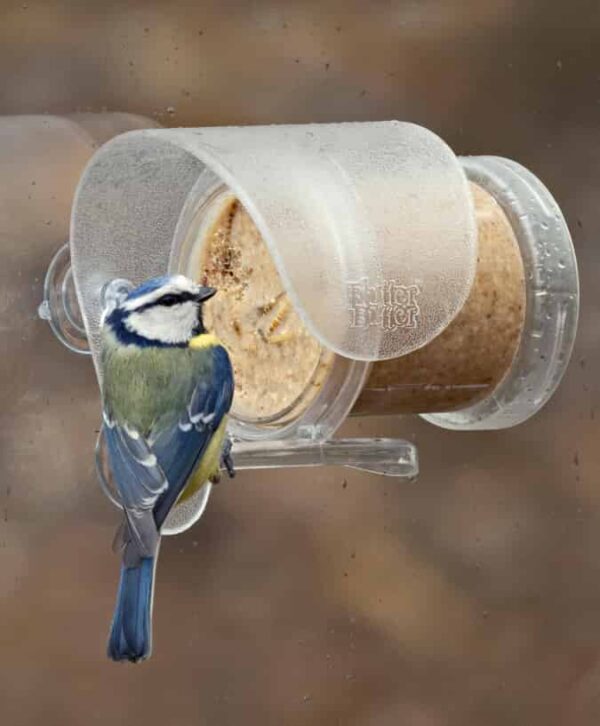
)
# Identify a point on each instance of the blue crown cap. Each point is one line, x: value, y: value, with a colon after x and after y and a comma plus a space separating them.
x: 148, y: 286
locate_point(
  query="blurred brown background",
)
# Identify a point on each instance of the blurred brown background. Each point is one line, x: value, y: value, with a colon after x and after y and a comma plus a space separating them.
x: 471, y: 598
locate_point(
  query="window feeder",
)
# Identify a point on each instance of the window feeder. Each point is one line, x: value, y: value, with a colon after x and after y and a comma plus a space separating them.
x: 362, y: 268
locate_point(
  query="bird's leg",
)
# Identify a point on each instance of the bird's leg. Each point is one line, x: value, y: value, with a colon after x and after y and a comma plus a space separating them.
x: 226, y: 458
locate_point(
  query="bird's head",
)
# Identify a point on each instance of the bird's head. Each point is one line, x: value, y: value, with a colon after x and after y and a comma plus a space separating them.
x: 161, y: 311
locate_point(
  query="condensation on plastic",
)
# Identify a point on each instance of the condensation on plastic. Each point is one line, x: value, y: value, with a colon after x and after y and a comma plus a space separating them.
x: 371, y: 225
x: 552, y: 298
x: 35, y: 148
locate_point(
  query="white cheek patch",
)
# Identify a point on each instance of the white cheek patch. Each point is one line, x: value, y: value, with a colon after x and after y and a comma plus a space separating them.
x: 173, y: 324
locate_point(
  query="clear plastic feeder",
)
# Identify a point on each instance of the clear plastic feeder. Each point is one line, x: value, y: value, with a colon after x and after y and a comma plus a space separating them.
x: 370, y: 227
x: 372, y: 231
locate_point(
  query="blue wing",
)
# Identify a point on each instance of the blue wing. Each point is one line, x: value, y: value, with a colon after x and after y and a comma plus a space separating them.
x: 180, y: 447
x: 150, y: 474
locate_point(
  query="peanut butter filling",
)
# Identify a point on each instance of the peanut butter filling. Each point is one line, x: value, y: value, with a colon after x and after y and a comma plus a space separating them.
x: 471, y: 356
x: 279, y: 366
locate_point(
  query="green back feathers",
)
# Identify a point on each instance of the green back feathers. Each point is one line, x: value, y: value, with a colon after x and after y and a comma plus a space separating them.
x: 143, y: 386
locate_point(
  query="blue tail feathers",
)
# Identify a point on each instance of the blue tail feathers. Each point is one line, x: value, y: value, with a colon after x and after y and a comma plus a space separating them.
x: 131, y: 631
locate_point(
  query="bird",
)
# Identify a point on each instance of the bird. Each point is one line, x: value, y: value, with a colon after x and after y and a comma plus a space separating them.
x: 167, y: 388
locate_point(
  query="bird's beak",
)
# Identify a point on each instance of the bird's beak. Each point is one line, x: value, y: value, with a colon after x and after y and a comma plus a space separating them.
x: 205, y: 293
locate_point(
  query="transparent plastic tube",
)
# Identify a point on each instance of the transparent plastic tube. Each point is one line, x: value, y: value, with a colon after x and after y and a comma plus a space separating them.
x: 551, y: 305
x: 370, y: 225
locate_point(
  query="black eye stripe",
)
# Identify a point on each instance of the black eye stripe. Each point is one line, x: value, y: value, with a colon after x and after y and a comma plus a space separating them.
x: 169, y: 300
x: 175, y: 298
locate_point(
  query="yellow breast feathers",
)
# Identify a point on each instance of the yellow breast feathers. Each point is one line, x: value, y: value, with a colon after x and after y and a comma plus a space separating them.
x: 204, y: 340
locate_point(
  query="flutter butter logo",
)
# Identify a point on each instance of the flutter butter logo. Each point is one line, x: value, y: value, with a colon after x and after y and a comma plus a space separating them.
x: 389, y: 306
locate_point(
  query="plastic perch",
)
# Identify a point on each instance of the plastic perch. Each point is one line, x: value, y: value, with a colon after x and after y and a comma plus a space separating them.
x: 388, y: 457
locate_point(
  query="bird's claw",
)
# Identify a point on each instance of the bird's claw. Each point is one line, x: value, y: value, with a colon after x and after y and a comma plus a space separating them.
x: 227, y: 459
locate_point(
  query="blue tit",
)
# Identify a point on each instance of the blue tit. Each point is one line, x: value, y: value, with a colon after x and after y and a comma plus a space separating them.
x: 167, y: 390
